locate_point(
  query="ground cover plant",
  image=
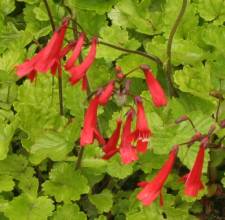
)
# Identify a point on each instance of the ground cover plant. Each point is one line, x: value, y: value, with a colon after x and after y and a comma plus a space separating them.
x: 112, y: 109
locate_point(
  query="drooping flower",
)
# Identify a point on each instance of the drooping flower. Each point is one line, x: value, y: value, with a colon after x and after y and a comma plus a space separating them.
x: 77, y: 72
x: 106, y: 93
x: 158, y: 96
x: 142, y: 131
x: 51, y: 53
x: 110, y: 148
x: 90, y: 131
x: 152, y: 189
x: 127, y: 152
x: 47, y: 58
x: 76, y: 52
x: 193, y: 183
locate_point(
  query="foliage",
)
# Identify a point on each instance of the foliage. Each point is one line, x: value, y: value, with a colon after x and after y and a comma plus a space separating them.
x: 39, y: 148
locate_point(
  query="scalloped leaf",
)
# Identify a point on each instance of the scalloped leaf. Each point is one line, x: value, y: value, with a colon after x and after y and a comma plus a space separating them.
x: 29, y: 208
x: 69, y: 212
x: 65, y: 184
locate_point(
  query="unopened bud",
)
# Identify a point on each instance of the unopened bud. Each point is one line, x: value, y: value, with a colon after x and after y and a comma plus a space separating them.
x: 120, y: 75
x: 118, y: 69
x: 181, y: 118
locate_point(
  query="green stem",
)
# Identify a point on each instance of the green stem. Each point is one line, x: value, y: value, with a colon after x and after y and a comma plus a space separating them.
x: 169, y: 48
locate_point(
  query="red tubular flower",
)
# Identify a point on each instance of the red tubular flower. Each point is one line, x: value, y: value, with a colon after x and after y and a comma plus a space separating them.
x: 142, y: 131
x: 90, y: 130
x: 106, y: 93
x: 158, y: 96
x: 51, y: 53
x: 127, y: 152
x: 77, y: 72
x: 28, y: 67
x: 46, y: 58
x: 193, y: 183
x: 76, y: 52
x: 110, y: 148
x: 152, y: 189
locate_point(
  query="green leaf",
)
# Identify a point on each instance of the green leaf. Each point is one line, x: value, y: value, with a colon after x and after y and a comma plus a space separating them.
x: 52, y: 144
x: 100, y: 6
x: 89, y: 19
x: 6, y: 135
x: 35, y: 27
x: 69, y: 212
x: 13, y: 165
x: 40, y: 14
x: 102, y: 201
x: 117, y: 36
x: 26, y: 208
x: 212, y: 10
x: 8, y: 62
x: 214, y: 36
x: 28, y: 183
x: 190, y: 80
x: 165, y: 138
x: 7, y: 6
x: 118, y: 170
x: 183, y: 51
x: 103, y: 70
x: 142, y: 16
x: 75, y: 100
x: 65, y: 184
x: 150, y: 212
x: 6, y: 183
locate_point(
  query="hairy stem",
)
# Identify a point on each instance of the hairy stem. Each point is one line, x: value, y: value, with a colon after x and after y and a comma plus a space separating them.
x: 169, y: 47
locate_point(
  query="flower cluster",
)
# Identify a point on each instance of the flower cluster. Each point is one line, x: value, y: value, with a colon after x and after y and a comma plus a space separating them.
x: 132, y: 142
x: 49, y: 58
x: 125, y: 141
